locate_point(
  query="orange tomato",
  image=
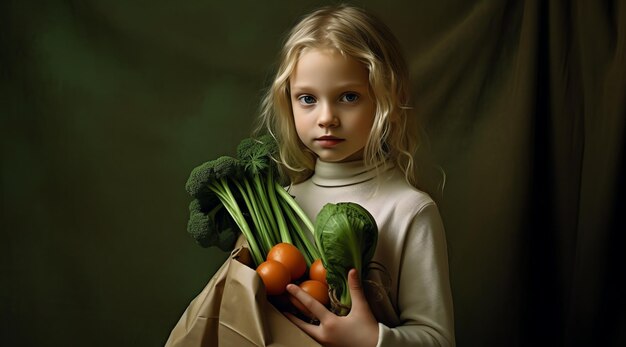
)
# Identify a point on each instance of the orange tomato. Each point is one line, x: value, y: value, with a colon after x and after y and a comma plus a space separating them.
x: 316, y: 289
x: 290, y: 256
x: 275, y: 276
x: 317, y: 271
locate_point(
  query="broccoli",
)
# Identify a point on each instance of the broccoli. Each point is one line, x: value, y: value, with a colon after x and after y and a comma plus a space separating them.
x: 211, y: 225
x: 243, y: 194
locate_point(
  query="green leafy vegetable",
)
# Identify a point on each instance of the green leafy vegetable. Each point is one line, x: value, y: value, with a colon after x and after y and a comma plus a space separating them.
x: 211, y: 225
x: 243, y: 194
x: 346, y: 235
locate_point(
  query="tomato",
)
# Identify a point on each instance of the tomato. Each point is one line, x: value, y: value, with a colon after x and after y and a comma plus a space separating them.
x: 275, y: 276
x: 316, y: 289
x: 317, y: 271
x: 290, y: 256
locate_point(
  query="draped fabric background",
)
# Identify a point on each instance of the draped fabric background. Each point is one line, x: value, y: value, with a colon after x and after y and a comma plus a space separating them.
x: 106, y: 106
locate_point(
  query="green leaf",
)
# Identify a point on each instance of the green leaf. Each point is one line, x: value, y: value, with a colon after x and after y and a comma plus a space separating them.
x: 346, y: 235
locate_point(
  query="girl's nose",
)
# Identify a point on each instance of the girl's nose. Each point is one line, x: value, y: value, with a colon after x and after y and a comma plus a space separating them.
x: 327, y: 118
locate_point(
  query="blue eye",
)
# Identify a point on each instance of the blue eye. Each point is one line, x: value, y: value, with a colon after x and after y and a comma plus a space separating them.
x: 350, y: 97
x: 306, y: 99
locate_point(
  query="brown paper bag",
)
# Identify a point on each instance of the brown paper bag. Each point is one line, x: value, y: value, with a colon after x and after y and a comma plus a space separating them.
x: 232, y: 310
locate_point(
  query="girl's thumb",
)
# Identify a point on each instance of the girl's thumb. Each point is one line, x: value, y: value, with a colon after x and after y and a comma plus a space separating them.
x: 356, y: 290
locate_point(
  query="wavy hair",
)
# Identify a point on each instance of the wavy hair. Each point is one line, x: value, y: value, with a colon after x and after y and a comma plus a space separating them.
x: 355, y: 33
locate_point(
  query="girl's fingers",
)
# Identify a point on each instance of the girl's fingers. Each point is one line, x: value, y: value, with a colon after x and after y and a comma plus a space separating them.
x: 310, y: 329
x: 356, y: 291
x: 314, y: 306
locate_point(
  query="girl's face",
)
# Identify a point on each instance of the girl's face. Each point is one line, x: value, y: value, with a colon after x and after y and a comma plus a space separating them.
x: 332, y: 107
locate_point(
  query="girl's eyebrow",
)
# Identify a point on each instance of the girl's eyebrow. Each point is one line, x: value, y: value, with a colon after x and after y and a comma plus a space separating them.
x: 346, y: 85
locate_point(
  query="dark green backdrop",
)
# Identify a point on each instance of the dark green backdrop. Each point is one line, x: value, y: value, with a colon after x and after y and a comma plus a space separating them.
x: 107, y: 105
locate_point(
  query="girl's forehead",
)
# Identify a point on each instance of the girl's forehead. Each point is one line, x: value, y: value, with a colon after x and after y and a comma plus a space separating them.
x: 325, y: 54
x: 324, y: 66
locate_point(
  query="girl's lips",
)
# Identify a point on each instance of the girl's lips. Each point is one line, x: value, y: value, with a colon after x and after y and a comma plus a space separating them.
x: 328, y: 141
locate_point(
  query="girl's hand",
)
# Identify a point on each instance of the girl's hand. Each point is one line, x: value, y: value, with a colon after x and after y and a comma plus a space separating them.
x: 358, y: 328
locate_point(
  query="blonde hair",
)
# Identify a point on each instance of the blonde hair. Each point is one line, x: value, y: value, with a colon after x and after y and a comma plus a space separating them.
x: 357, y: 34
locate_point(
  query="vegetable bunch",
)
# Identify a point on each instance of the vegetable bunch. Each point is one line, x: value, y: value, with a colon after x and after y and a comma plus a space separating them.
x: 285, y: 264
x: 243, y: 194
x: 346, y: 235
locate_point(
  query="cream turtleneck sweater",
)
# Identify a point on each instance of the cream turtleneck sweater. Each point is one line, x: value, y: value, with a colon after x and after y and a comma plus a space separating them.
x: 416, y: 309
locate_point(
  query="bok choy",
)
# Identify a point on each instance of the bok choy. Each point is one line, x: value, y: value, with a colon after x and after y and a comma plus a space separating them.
x: 346, y: 235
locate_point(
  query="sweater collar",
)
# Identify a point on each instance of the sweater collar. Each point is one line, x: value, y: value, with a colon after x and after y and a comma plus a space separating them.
x: 344, y: 174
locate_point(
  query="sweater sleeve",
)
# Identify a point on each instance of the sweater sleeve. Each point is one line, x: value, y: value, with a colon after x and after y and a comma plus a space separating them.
x: 424, y: 295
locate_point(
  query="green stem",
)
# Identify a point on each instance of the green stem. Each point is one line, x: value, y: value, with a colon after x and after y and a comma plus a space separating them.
x: 264, y: 224
x: 310, y: 251
x: 227, y: 198
x: 282, y: 193
x: 250, y: 202
x: 346, y: 300
x: 307, y: 257
x: 262, y: 196
x: 282, y: 225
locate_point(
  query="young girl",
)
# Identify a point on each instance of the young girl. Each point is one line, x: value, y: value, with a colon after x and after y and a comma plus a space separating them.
x: 338, y: 108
